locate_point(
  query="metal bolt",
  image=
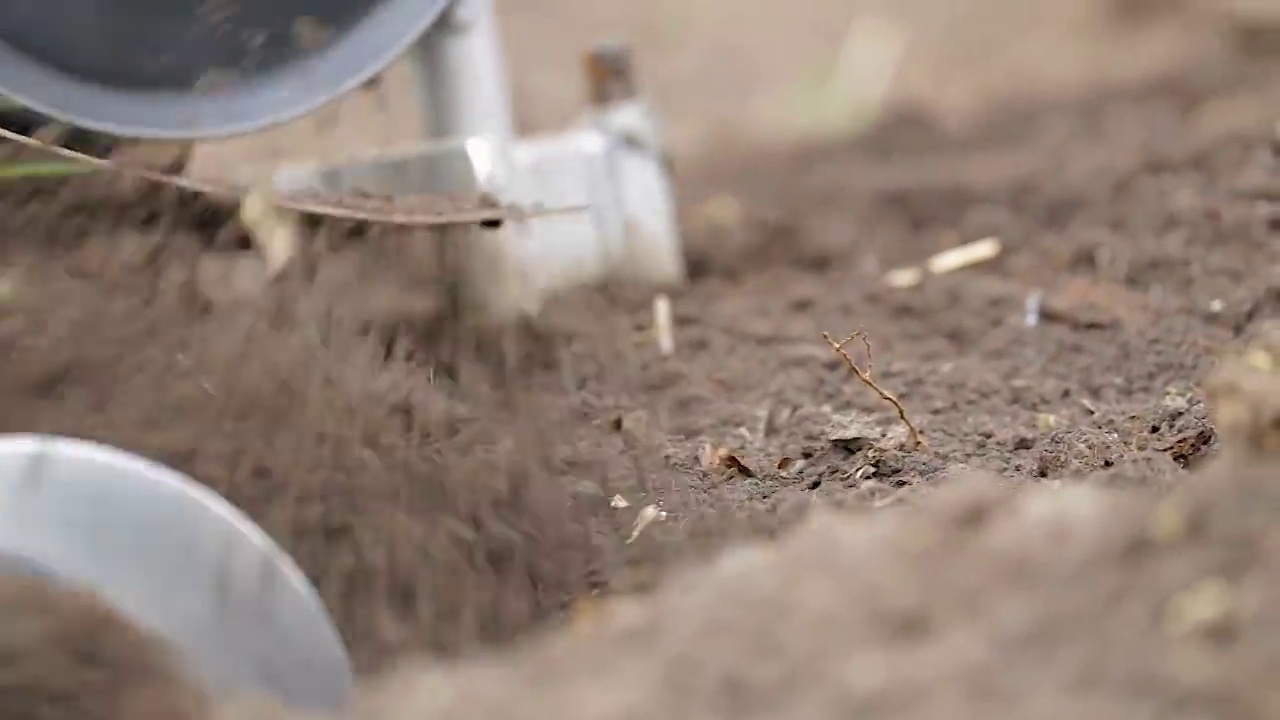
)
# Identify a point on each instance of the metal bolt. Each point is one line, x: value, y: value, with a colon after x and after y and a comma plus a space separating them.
x: 610, y: 74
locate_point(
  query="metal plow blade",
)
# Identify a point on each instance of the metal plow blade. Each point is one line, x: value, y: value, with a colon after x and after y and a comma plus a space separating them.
x: 196, y: 69
x: 175, y: 558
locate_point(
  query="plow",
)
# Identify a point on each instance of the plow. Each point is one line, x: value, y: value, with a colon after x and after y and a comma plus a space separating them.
x: 529, y: 216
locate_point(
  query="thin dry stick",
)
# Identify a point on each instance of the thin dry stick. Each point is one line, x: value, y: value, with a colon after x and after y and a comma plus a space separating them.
x: 462, y: 217
x: 866, y: 343
x: 864, y: 376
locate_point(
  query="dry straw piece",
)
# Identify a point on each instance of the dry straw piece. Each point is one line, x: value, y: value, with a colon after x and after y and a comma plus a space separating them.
x: 340, y: 210
x: 664, y: 325
x: 947, y: 261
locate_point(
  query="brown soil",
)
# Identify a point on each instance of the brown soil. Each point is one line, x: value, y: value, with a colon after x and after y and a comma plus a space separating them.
x: 421, y: 513
x: 1051, y: 602
x: 448, y: 490
x: 1075, y: 602
x: 64, y: 656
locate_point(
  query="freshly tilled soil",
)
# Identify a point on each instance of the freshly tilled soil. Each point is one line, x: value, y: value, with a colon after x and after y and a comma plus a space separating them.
x: 449, y: 490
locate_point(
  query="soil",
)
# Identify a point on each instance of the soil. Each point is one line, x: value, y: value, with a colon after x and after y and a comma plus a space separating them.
x: 1051, y: 601
x: 70, y: 656
x: 450, y: 490
x: 980, y: 603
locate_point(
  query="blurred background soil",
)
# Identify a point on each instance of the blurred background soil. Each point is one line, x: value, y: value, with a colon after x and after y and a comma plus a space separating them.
x: 449, y: 489
x: 746, y: 74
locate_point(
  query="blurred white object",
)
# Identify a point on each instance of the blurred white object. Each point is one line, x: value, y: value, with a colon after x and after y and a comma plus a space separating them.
x: 853, y: 93
x: 611, y: 164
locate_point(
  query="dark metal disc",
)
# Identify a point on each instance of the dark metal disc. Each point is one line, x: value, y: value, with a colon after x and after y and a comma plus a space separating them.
x: 194, y: 69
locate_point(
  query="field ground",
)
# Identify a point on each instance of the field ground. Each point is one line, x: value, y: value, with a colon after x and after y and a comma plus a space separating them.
x: 1090, y: 530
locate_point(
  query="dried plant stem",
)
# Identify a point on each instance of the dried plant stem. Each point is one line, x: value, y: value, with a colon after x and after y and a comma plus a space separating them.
x: 306, y: 207
x: 864, y: 376
x: 51, y: 169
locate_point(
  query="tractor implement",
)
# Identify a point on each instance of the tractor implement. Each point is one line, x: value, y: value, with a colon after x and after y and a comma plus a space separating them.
x: 164, y: 551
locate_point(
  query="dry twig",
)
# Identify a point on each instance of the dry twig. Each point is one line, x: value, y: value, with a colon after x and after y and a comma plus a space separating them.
x: 917, y: 440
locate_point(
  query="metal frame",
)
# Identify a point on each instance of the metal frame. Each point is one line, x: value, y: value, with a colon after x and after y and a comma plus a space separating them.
x: 612, y: 162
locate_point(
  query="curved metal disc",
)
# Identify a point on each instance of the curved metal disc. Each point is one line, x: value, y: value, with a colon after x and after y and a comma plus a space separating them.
x: 177, y: 559
x: 197, y: 69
